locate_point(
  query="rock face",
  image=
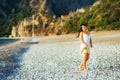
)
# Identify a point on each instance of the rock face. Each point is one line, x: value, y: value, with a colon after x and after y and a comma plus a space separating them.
x: 14, y: 32
x: 46, y: 12
x: 63, y: 7
x: 5, y: 8
x: 24, y: 28
x: 3, y: 3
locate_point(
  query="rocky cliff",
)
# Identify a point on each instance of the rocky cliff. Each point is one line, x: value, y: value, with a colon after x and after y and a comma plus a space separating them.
x: 57, y: 16
x: 47, y: 14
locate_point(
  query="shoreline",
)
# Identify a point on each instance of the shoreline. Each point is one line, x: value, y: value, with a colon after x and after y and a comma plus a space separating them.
x: 11, y: 55
x: 97, y: 37
x: 8, y: 41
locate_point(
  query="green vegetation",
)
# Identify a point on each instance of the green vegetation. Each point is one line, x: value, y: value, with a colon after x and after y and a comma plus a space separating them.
x: 103, y: 16
x: 15, y: 14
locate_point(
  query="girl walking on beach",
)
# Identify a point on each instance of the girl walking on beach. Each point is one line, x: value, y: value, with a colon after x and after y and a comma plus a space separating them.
x: 86, y: 44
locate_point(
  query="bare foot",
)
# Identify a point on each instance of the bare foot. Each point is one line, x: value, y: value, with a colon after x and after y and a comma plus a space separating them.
x: 81, y: 69
x: 86, y: 70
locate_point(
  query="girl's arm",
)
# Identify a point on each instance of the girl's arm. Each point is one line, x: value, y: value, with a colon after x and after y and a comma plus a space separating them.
x: 81, y: 39
x: 91, y: 43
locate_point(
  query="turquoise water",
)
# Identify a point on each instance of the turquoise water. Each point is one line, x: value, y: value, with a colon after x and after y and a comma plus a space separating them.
x: 9, y: 40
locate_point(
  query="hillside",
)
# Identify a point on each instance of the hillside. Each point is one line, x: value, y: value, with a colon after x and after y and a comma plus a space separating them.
x: 57, y: 17
x: 100, y: 16
x: 12, y: 13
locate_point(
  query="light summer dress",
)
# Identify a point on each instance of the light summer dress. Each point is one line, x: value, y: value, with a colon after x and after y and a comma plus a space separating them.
x: 86, y: 39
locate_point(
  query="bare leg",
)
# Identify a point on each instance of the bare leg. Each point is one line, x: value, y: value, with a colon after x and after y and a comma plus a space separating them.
x: 81, y: 66
x: 86, y: 57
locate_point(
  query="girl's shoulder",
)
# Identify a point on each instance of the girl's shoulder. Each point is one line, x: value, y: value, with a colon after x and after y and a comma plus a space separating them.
x: 81, y: 33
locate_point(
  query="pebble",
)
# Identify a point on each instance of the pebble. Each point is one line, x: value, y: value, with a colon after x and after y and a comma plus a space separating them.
x: 53, y: 62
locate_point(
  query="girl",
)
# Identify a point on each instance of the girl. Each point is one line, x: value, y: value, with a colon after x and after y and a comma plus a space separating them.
x: 86, y: 41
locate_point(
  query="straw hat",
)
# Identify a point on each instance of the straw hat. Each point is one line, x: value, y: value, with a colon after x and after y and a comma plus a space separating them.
x: 84, y: 51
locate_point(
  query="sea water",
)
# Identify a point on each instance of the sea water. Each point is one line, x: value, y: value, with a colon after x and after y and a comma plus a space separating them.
x: 7, y: 40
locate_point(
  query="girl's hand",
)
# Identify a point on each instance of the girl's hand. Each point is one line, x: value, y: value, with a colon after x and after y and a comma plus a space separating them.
x: 91, y: 46
x: 86, y: 45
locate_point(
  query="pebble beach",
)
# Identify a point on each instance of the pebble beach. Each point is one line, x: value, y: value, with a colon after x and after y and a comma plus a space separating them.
x: 58, y: 58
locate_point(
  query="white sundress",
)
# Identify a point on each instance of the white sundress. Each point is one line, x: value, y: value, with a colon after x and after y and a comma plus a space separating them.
x: 86, y: 39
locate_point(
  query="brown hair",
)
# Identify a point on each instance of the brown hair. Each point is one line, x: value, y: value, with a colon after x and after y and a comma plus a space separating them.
x: 80, y: 30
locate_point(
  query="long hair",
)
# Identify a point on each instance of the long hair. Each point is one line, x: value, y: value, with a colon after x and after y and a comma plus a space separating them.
x: 80, y: 30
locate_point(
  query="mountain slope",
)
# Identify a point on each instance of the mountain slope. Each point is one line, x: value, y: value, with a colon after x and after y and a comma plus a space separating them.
x: 63, y: 7
x: 100, y: 16
x: 13, y: 12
